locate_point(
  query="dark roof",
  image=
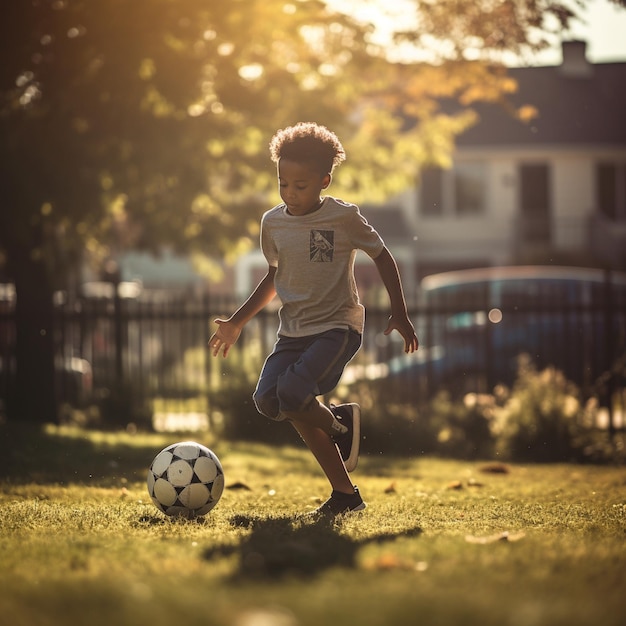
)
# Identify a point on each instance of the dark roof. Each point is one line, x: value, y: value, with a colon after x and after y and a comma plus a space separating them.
x: 572, y: 109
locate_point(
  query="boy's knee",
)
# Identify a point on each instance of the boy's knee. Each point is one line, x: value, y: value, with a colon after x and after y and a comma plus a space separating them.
x: 291, y: 393
x: 267, y: 405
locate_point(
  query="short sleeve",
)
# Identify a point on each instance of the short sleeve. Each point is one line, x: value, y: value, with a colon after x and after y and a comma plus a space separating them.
x: 364, y: 236
x: 268, y: 245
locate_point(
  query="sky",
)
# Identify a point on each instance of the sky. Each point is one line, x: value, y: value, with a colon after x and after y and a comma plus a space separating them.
x: 604, y: 27
x: 605, y: 33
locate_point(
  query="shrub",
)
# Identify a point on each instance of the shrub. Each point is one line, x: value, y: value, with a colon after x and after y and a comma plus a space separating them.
x: 542, y: 419
x: 463, y: 428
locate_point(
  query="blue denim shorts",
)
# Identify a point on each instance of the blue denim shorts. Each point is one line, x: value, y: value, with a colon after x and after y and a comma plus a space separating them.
x: 301, y: 368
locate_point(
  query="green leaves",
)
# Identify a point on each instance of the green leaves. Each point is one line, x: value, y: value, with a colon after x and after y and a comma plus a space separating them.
x: 162, y: 103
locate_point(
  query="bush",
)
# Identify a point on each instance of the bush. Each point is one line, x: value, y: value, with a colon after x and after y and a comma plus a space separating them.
x: 463, y: 428
x: 542, y: 419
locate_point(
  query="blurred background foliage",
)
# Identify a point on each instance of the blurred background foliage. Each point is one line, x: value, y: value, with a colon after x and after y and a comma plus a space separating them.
x: 541, y: 418
x: 138, y: 123
x: 134, y: 122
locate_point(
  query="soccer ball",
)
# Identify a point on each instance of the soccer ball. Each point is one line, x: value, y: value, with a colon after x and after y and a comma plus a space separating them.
x: 185, y: 479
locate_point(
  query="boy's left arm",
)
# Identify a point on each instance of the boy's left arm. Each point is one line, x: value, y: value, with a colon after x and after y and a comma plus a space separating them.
x: 399, y: 319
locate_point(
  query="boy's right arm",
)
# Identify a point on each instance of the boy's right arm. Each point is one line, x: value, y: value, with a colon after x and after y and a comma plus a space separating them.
x: 228, y: 330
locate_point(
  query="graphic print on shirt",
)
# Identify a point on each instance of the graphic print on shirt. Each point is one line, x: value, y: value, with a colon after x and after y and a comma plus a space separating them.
x: 322, y: 245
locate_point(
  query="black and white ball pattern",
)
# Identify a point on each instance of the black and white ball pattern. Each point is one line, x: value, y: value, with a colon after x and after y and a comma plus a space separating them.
x: 185, y: 479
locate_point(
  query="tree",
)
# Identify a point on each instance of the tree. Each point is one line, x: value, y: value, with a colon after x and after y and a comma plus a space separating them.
x: 138, y: 122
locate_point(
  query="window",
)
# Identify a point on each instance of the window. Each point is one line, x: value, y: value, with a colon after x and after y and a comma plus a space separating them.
x: 534, y: 189
x: 611, y: 190
x: 432, y: 192
x: 469, y: 187
x: 460, y: 191
x: 534, y: 203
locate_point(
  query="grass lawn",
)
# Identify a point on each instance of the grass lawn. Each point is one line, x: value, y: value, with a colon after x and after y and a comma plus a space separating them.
x: 441, y: 542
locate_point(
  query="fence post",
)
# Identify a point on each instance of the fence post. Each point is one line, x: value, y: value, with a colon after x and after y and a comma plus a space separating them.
x: 608, y: 346
x: 112, y: 274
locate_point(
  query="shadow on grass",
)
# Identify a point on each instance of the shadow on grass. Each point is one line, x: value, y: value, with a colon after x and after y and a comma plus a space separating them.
x: 287, y: 546
x: 33, y: 453
x: 47, y: 455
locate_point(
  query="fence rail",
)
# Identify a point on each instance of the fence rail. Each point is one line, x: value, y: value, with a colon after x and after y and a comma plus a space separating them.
x: 153, y: 350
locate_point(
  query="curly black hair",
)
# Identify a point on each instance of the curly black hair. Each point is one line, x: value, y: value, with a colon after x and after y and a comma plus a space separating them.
x: 310, y: 142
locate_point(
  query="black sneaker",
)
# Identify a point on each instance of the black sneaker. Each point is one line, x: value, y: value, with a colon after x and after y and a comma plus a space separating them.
x: 349, y: 415
x: 340, y: 503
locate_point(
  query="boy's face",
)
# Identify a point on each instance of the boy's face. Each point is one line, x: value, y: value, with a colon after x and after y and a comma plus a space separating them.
x: 300, y: 185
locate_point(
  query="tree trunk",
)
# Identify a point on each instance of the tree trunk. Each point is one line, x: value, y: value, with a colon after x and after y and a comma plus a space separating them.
x: 33, y: 397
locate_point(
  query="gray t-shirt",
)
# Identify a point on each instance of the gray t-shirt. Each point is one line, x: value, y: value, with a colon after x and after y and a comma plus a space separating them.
x: 314, y: 256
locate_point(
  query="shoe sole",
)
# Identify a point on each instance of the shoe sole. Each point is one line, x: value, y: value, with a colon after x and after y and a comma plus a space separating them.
x: 356, y: 509
x: 352, y: 461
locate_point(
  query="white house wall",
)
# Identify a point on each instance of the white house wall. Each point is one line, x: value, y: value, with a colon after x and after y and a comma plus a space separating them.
x: 491, y: 237
x: 573, y: 201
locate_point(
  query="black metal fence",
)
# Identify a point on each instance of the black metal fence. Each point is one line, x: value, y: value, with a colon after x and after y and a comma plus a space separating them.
x: 151, y: 351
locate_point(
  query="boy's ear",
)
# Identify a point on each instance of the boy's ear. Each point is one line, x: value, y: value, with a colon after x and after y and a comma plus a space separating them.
x: 326, y: 181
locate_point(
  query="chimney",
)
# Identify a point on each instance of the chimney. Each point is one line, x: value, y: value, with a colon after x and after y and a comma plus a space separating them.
x: 575, y: 63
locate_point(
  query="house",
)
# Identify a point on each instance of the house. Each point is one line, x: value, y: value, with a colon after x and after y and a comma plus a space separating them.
x: 552, y: 190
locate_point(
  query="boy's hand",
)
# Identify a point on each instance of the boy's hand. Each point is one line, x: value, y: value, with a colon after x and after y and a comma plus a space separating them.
x: 405, y: 328
x: 224, y: 337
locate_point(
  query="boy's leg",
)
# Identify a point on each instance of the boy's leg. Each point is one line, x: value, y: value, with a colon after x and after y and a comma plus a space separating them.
x: 322, y: 446
x: 342, y: 423
x: 345, y: 496
x: 292, y: 376
x: 318, y: 416
x: 286, y: 353
x: 317, y: 372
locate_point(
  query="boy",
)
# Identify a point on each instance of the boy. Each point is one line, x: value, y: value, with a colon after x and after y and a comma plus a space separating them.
x: 310, y: 243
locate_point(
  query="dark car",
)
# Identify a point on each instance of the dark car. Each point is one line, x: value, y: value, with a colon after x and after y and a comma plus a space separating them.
x: 474, y: 325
